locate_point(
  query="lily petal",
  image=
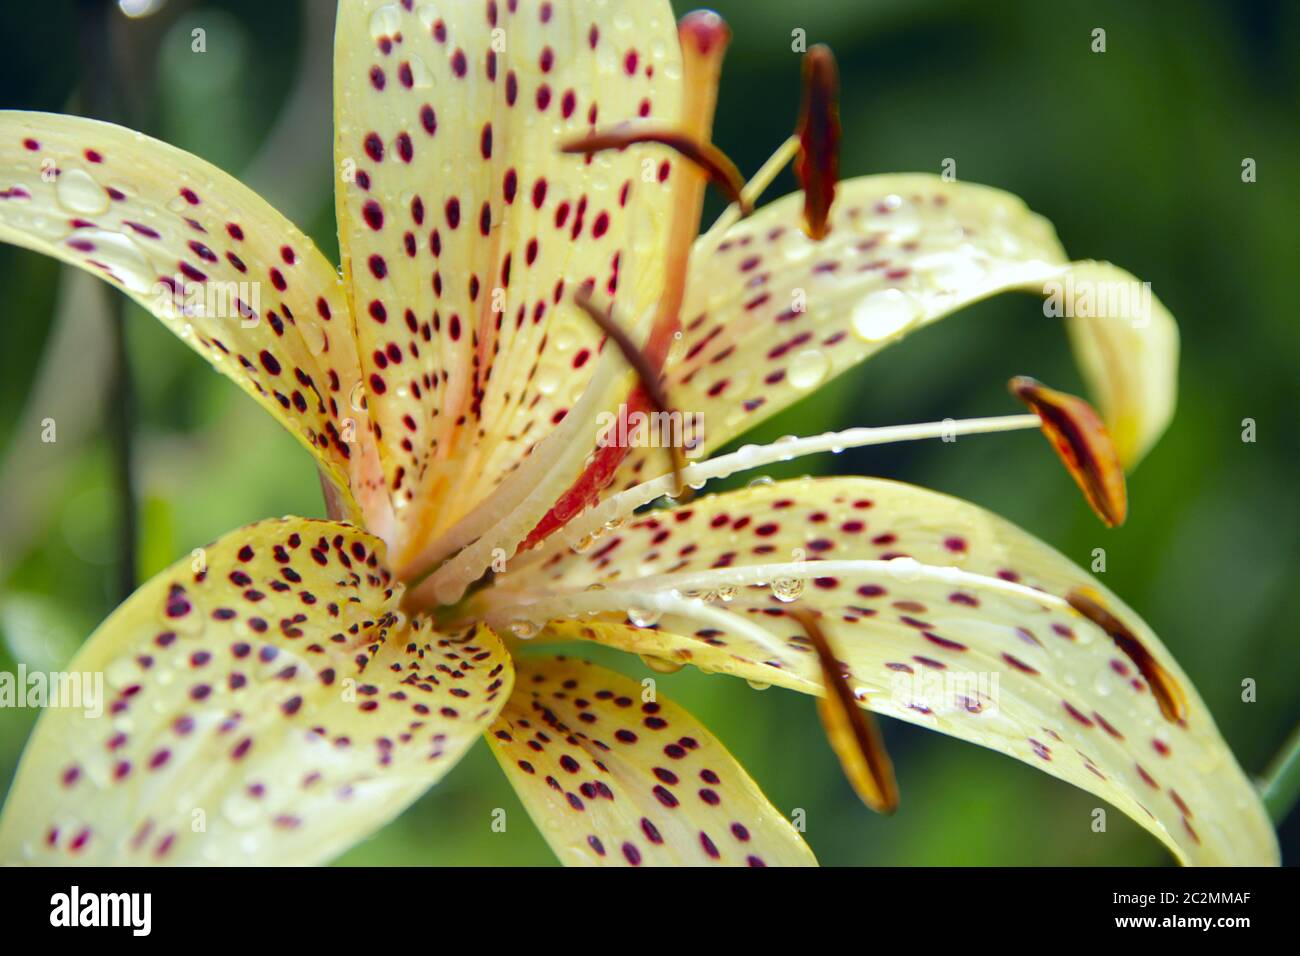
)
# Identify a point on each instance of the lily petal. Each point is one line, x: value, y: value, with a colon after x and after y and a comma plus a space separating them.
x: 210, y: 258
x: 265, y: 703
x: 466, y: 231
x: 915, y: 589
x: 770, y: 314
x: 614, y: 779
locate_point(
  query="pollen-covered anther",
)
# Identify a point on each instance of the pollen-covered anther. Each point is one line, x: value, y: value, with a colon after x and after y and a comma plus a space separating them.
x: 1165, y: 688
x: 646, y: 374
x: 1083, y: 444
x: 818, y: 165
x: 708, y: 157
x: 852, y: 732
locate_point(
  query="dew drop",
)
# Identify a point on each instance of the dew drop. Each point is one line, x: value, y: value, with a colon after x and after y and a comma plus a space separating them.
x: 661, y: 665
x: 120, y: 254
x: 884, y: 314
x: 809, y: 368
x: 523, y: 629
x: 421, y: 77
x: 787, y: 589
x: 643, y: 617
x: 313, y: 334
x: 385, y: 22
x: 77, y: 192
x: 548, y: 380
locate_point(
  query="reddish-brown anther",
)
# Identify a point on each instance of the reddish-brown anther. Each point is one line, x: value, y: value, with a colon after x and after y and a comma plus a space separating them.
x: 647, y: 375
x: 1084, y: 445
x: 704, y: 37
x: 852, y: 732
x: 721, y: 170
x: 1167, y: 691
x: 818, y: 165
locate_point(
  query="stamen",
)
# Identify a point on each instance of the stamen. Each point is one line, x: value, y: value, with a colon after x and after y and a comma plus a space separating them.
x: 534, y: 495
x: 335, y: 510
x: 721, y: 170
x: 1168, y: 693
x: 853, y: 733
x: 754, y: 189
x: 1083, y: 444
x: 704, y: 37
x: 751, y: 575
x: 623, y: 504
x: 501, y: 609
x: 818, y: 165
x: 649, y: 378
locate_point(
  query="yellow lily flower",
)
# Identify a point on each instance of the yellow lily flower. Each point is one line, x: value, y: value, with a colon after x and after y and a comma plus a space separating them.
x: 302, y: 681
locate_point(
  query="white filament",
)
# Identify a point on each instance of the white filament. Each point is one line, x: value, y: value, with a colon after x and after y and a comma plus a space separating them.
x: 620, y: 506
x: 753, y: 190
x: 526, y: 494
x: 501, y: 608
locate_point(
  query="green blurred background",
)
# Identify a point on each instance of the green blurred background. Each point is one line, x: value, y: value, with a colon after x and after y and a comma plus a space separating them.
x: 1135, y: 154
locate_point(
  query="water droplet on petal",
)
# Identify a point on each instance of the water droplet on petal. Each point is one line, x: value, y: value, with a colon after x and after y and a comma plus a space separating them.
x: 523, y: 629
x: 643, y: 617
x: 661, y: 665
x: 120, y: 254
x: 787, y: 589
x: 78, y: 192
x: 884, y: 314
x: 809, y: 368
x: 385, y: 22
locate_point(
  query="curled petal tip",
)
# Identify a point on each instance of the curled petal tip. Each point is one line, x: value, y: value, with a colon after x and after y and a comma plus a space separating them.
x: 703, y: 32
x: 819, y: 139
x: 1083, y: 444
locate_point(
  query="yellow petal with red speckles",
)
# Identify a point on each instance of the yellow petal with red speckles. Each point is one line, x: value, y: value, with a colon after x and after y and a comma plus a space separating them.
x: 211, y: 259
x: 943, y: 614
x: 771, y: 315
x: 263, y: 703
x: 465, y: 230
x: 613, y: 777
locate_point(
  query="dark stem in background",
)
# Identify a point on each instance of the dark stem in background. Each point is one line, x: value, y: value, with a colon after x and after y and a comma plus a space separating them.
x: 101, y: 100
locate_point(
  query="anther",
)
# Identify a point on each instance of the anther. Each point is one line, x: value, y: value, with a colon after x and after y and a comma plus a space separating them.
x: 713, y: 161
x: 1168, y: 693
x: 645, y: 372
x: 818, y: 165
x: 852, y: 732
x: 1083, y: 444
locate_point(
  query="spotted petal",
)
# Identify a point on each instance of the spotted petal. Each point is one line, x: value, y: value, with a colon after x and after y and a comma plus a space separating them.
x: 465, y: 231
x: 210, y: 258
x: 615, y: 777
x: 265, y: 703
x: 770, y: 314
x: 943, y: 615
